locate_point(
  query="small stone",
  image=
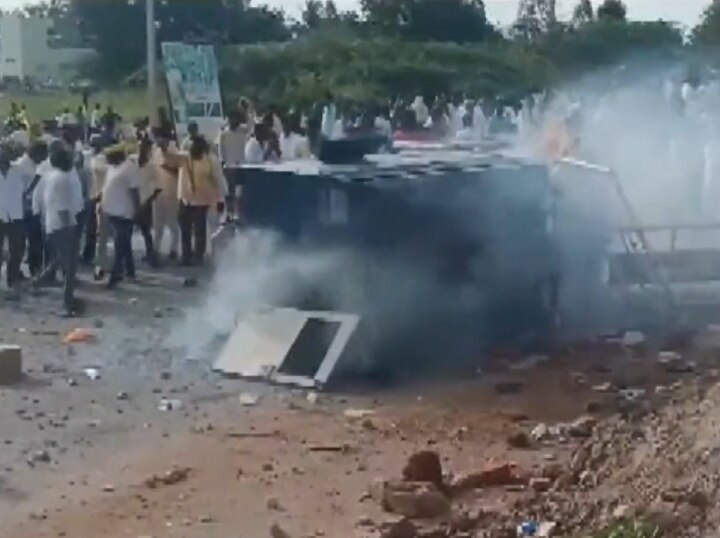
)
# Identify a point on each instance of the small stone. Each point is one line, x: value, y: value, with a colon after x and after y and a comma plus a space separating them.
x: 403, y: 528
x: 540, y: 432
x: 108, y: 488
x: 519, y: 440
x: 40, y: 456
x: 424, y: 466
x: 268, y: 467
x: 99, y: 324
x: 165, y: 376
x: 276, y: 531
x: 158, y: 313
x: 72, y: 382
x: 273, y: 503
x: 365, y: 521
x: 415, y: 499
x: 205, y: 519
x: 582, y: 427
x: 540, y: 484
x: 312, y: 398
x: 133, y: 300
x: 122, y: 396
x: 249, y: 400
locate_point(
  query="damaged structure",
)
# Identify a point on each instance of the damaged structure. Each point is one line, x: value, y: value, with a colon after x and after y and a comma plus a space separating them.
x: 456, y: 252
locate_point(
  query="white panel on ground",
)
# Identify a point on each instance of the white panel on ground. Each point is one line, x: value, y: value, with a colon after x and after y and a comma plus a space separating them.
x: 288, y: 346
x: 260, y: 342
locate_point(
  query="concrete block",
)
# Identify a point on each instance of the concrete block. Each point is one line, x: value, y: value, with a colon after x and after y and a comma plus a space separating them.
x: 10, y: 364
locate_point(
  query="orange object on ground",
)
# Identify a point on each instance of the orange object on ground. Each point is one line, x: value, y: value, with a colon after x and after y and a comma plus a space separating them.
x: 79, y: 335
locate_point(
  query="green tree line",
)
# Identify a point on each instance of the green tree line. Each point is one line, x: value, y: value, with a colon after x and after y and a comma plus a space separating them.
x: 385, y: 48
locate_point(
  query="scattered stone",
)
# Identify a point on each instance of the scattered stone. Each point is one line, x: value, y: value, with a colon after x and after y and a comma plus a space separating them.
x: 368, y: 425
x: 603, y: 387
x: 632, y: 395
x: 108, y: 488
x: 424, y: 466
x: 493, y: 476
x: 122, y: 396
x: 582, y: 427
x: 158, y: 313
x: 547, y: 529
x: 365, y: 521
x: 205, y: 519
x: 421, y: 500
x: 276, y: 531
x: 133, y: 300
x: 165, y: 376
x: 249, y: 400
x: 540, y: 432
x: 633, y: 339
x: 169, y: 478
x: 79, y: 335
x: 268, y: 467
x: 99, y: 324
x: 622, y: 511
x: 72, y: 382
x: 540, y: 484
x: 92, y: 373
x: 519, y: 440
x: 169, y: 404
x: 698, y: 499
x: 273, y: 503
x: 39, y: 456
x: 403, y: 528
x: 312, y: 397
x: 358, y: 413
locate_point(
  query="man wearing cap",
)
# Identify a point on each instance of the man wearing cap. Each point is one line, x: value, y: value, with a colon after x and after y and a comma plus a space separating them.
x: 120, y: 201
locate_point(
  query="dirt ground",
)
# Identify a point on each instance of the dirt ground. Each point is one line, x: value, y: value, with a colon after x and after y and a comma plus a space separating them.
x: 77, y: 452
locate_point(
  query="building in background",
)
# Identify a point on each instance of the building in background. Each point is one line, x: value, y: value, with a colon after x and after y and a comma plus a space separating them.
x: 32, y: 51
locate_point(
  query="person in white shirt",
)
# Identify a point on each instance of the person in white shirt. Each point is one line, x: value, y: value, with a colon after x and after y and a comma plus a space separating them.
x: 479, y: 120
x: 96, y: 119
x: 149, y: 190
x: 167, y: 162
x: 422, y: 112
x: 231, y: 150
x: 293, y: 145
x: 121, y: 202
x: 11, y: 215
x: 260, y: 147
x: 329, y: 118
x: 60, y: 223
x: 67, y: 118
x: 27, y: 167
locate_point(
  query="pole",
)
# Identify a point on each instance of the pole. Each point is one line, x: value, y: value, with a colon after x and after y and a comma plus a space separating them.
x: 151, y: 59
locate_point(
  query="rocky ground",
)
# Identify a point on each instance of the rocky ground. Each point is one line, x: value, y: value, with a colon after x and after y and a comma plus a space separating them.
x: 159, y: 445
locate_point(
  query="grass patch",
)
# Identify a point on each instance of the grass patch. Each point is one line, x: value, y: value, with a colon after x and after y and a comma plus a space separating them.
x: 129, y: 103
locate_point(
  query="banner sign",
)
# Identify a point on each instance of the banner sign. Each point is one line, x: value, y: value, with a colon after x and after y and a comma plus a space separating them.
x: 194, y: 87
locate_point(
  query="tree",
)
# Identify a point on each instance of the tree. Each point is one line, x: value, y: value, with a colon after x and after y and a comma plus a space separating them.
x: 211, y: 21
x: 612, y: 10
x: 459, y: 21
x: 535, y: 17
x: 317, y: 14
x: 707, y: 32
x: 583, y: 13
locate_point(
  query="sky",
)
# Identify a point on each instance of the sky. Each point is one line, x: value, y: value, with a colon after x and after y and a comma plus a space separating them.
x: 503, y: 11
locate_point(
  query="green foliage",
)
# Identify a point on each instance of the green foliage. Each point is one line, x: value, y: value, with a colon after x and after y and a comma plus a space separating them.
x: 374, y: 70
x: 707, y: 33
x: 614, y: 10
x: 603, y: 42
x: 630, y: 529
x: 459, y: 21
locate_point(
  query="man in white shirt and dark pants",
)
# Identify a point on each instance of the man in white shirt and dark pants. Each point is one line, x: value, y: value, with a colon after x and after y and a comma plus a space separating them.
x: 27, y: 166
x: 231, y: 150
x: 59, y: 204
x: 11, y: 216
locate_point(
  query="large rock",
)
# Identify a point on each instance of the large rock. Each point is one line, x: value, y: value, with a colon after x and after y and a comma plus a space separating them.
x: 424, y: 467
x: 421, y: 500
x: 493, y: 476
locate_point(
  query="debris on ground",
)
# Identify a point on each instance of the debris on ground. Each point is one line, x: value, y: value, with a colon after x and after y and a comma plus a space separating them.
x: 358, y: 413
x: 169, y: 404
x: 79, y: 335
x: 11, y: 364
x: 249, y: 400
x: 169, y: 478
x: 92, y: 373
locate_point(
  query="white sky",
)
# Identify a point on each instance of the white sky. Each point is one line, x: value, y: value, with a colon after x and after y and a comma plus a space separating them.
x: 503, y: 11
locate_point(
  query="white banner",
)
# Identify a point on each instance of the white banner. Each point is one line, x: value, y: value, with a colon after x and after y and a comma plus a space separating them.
x: 194, y: 87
